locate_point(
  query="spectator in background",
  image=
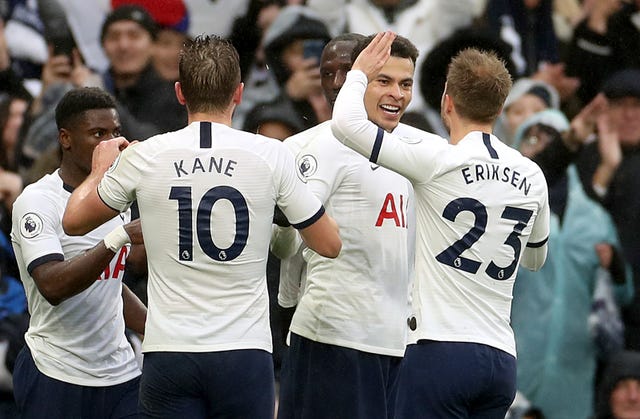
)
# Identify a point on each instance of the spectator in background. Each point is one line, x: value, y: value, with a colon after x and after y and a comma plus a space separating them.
x: 173, y: 19
x: 527, y: 96
x: 127, y: 35
x: 528, y: 26
x: 248, y: 30
x: 260, y: 83
x: 619, y: 395
x: 557, y: 356
x: 590, y: 53
x: 13, y: 112
x: 297, y: 75
x: 609, y: 168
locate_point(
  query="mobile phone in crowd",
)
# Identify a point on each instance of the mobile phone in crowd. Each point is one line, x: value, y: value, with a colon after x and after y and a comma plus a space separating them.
x: 313, y: 48
x: 63, y: 45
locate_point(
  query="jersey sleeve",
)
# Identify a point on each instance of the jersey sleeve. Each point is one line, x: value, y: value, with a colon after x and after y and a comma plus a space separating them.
x: 117, y: 187
x: 415, y: 157
x: 320, y: 165
x: 292, y: 271
x: 36, y: 227
x: 301, y: 207
x: 535, y: 252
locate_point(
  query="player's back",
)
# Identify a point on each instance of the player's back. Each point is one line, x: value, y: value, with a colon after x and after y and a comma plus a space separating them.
x: 482, y: 197
x: 206, y: 196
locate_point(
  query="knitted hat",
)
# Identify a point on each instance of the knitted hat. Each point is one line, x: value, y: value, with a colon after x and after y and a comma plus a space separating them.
x: 544, y: 91
x: 552, y: 118
x: 168, y: 14
x: 130, y: 12
x: 624, y: 83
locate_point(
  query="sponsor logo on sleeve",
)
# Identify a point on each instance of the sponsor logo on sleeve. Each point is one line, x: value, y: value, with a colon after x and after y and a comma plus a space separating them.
x: 31, y: 225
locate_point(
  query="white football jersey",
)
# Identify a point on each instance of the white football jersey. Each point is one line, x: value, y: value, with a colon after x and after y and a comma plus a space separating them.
x: 206, y: 195
x: 360, y: 299
x: 81, y: 340
x: 479, y: 206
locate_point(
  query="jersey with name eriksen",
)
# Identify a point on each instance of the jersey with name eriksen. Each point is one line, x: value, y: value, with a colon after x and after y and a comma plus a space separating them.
x: 486, y: 202
x: 206, y: 196
x: 81, y: 340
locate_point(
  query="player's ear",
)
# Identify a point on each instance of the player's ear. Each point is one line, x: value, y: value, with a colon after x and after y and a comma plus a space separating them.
x: 64, y: 138
x: 237, y: 95
x: 447, y: 103
x: 178, y: 88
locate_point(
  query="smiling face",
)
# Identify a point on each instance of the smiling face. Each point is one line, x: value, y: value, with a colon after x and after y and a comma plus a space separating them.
x: 389, y: 93
x: 128, y: 46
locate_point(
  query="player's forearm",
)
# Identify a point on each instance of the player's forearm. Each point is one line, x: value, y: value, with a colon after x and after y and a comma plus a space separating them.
x: 58, y: 281
x: 350, y: 124
x: 85, y: 210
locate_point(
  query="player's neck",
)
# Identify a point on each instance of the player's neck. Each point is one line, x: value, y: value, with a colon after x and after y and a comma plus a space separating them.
x: 71, y: 175
x: 460, y: 128
x: 218, y: 117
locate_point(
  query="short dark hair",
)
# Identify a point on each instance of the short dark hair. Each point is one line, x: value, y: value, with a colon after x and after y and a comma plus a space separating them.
x: 478, y: 83
x: 401, y: 47
x: 209, y: 73
x: 77, y: 101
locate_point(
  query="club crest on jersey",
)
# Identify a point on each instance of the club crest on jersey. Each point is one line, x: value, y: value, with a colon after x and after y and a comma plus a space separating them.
x: 31, y: 225
x: 307, y: 166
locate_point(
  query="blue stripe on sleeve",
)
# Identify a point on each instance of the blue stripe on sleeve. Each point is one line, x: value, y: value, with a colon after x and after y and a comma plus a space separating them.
x: 377, y: 145
x: 310, y: 221
x: 538, y: 244
x: 44, y: 259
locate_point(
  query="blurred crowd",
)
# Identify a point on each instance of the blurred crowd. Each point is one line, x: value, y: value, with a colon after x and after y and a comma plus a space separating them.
x: 574, y: 109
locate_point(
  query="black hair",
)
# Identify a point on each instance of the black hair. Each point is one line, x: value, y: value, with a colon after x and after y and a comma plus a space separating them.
x: 401, y: 47
x: 75, y: 102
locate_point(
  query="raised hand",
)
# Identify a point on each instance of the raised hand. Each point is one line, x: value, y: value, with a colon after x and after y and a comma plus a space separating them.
x: 371, y: 60
x: 105, y: 154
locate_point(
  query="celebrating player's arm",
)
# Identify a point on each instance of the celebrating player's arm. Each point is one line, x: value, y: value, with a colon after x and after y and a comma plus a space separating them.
x: 85, y: 210
x: 58, y: 280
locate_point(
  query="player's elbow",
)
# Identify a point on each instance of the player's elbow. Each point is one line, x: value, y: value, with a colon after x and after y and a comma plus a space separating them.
x: 323, y: 237
x: 330, y: 248
x: 70, y: 225
x: 73, y: 225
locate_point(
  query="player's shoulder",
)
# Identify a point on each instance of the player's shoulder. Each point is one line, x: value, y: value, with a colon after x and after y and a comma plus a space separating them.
x: 308, y: 137
x: 44, y: 197
x: 409, y: 132
x: 49, y: 186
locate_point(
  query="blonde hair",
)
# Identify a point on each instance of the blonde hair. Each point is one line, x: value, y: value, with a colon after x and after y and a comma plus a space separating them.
x: 478, y: 83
